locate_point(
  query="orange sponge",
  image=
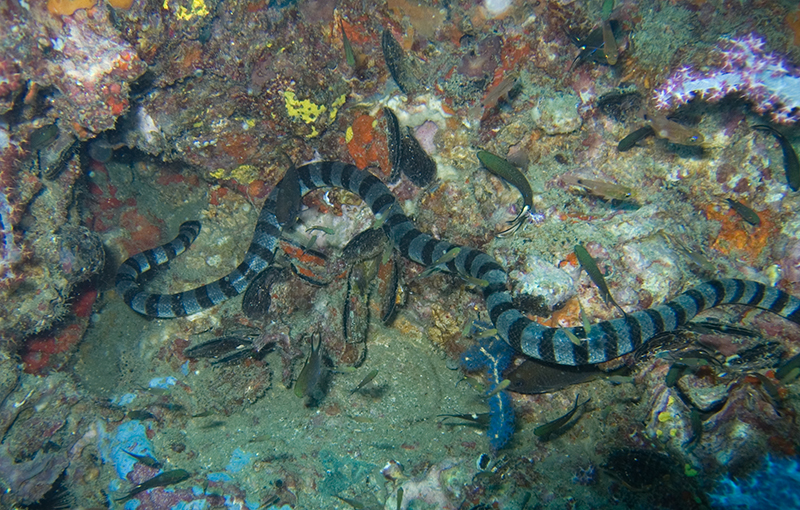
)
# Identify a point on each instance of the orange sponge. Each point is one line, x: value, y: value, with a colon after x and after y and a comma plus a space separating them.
x: 68, y: 7
x: 121, y: 4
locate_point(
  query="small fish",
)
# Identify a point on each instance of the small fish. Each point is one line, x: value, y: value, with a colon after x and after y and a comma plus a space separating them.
x: 696, y: 256
x: 361, y: 419
x: 587, y: 326
x: 629, y: 141
x: 789, y: 371
x: 747, y: 214
x: 145, y: 460
x: 572, y: 338
x: 479, y: 419
x: 620, y: 379
x: 505, y: 383
x: 591, y: 45
x: 769, y: 386
x: 366, y: 380
x: 472, y: 281
x: 399, y: 498
x: 287, y: 205
x: 610, y: 47
x: 326, y: 230
x: 312, y: 372
x: 511, y: 174
x: 676, y: 371
x: 602, y: 189
x: 349, y: 56
x: 486, y: 333
x: 696, y: 419
x: 444, y: 259
x: 674, y: 132
x: 140, y: 415
x: 790, y: 162
x: 162, y: 480
x: 550, y: 427
x: 608, y: 8
x: 590, y: 266
x: 358, y: 505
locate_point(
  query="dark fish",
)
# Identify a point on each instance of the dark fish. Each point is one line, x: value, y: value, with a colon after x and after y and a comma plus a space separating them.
x: 790, y: 161
x: 747, y: 214
x: 552, y: 426
x: 591, y: 45
x: 533, y: 377
x: 696, y: 420
x: 365, y: 245
x: 511, y: 174
x: 162, y: 480
x: 629, y: 141
x: 676, y: 371
x: 312, y: 373
x: 145, y: 460
x: 368, y: 379
x: 415, y: 163
x: 397, y: 62
x: 257, y: 298
x: 54, y: 157
x: 590, y: 266
x: 287, y: 205
x: 140, y: 415
x: 638, y: 469
x: 356, y: 311
x: 393, y: 140
x: 406, y: 155
x: 42, y: 137
x: 479, y: 419
x: 218, y: 348
x: 388, y: 285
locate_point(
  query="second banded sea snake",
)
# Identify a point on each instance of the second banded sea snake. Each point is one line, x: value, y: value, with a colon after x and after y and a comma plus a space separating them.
x: 605, y: 341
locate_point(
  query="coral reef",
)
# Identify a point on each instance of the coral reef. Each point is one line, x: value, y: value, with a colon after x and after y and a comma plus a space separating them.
x: 121, y: 119
x: 774, y: 485
x: 743, y: 66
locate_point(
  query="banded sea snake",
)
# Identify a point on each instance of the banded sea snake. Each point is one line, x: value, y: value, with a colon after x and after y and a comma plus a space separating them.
x: 605, y: 341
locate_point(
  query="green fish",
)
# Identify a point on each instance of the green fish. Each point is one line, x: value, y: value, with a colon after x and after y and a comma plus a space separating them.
x: 511, y: 174
x: 791, y: 164
x: 629, y: 141
x: 789, y: 371
x: 349, y: 55
x: 368, y: 379
x: 444, y: 259
x: 590, y: 266
x: 747, y: 214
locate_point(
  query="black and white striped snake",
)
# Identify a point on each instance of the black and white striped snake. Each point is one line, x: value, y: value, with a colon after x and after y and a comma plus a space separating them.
x: 605, y: 341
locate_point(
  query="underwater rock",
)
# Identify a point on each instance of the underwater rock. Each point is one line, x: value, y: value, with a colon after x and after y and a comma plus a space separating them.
x: 557, y: 114
x: 703, y: 394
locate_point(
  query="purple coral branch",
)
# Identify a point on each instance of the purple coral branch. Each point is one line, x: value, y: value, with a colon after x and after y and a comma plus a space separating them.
x: 771, y: 83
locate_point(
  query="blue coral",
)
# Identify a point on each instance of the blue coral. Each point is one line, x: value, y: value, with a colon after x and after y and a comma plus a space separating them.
x: 775, y: 486
x: 494, y: 355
